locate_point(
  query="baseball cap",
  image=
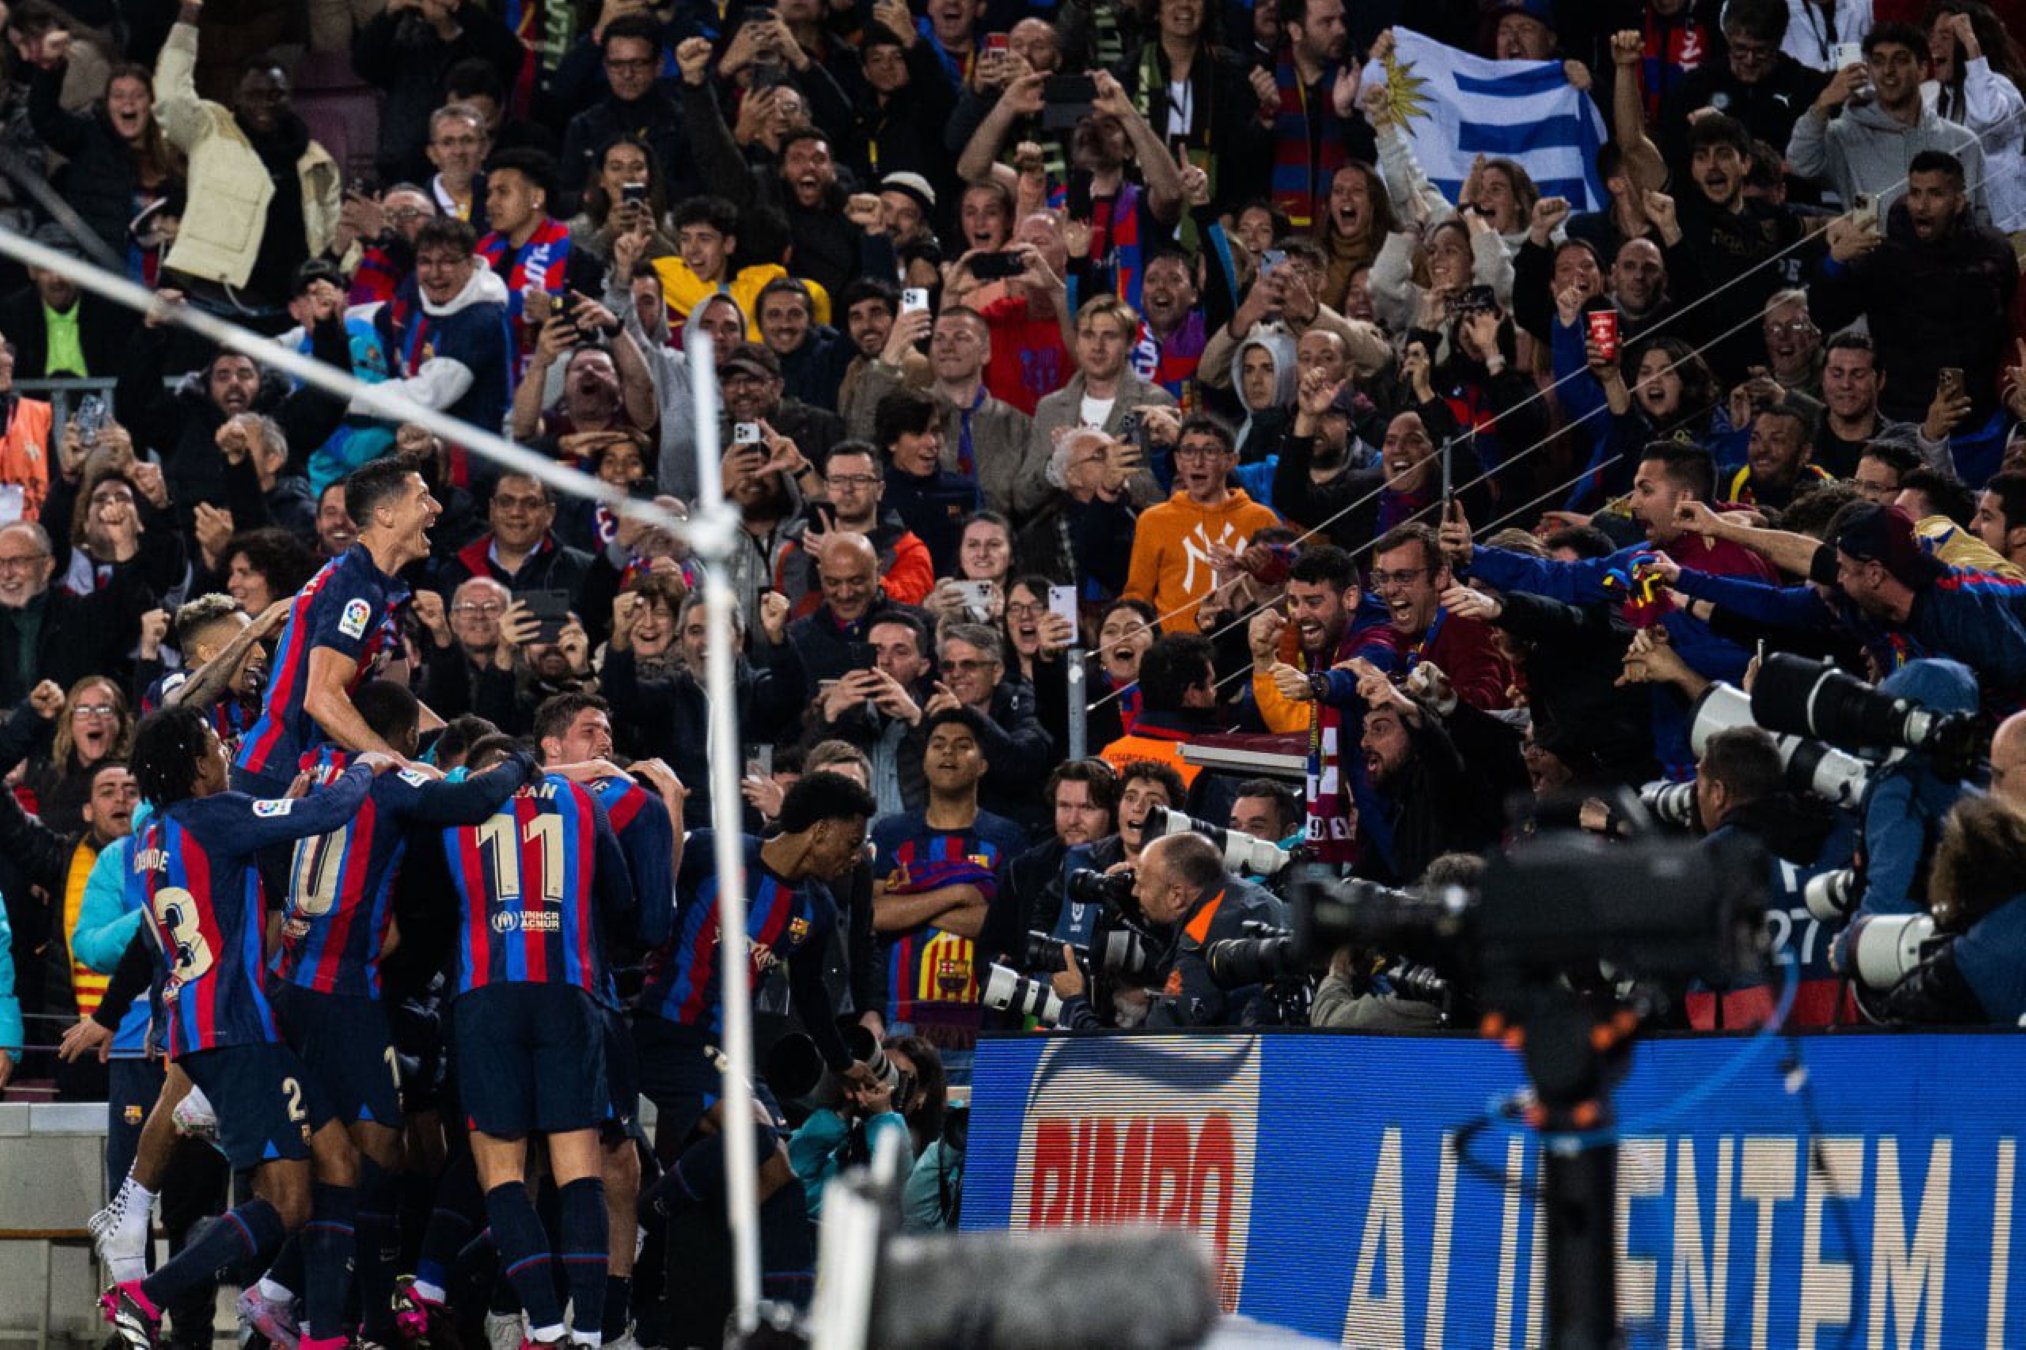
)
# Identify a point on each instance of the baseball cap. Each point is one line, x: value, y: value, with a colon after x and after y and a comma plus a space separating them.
x: 912, y: 185
x: 1884, y: 535
x: 750, y: 358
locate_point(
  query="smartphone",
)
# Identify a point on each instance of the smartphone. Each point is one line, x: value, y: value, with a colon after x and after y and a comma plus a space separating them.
x: 826, y: 516
x: 1863, y: 207
x: 760, y: 764
x: 1949, y: 381
x: 92, y: 417
x: 1066, y: 100
x: 862, y: 656
x: 1062, y: 601
x: 1270, y: 261
x: 977, y: 599
x: 633, y: 192
x: 997, y: 266
x: 551, y: 610
x: 745, y: 433
x: 1843, y: 54
x: 1132, y: 429
x: 769, y: 75
x: 915, y: 297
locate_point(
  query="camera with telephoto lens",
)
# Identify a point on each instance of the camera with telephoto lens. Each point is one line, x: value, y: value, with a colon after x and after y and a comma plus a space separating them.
x: 1811, y: 766
x: 1007, y: 990
x: 1089, y: 886
x: 1831, y: 895
x: 1042, y: 954
x: 1266, y: 953
x: 1671, y: 803
x: 1814, y: 698
x: 1242, y: 852
x: 1883, y: 948
x: 795, y: 1069
x: 1130, y: 955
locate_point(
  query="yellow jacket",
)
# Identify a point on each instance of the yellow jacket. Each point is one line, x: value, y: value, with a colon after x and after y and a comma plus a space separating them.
x: 684, y: 290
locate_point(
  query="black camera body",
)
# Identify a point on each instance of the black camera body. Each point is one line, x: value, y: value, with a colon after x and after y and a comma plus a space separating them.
x: 1089, y: 886
x: 1814, y: 698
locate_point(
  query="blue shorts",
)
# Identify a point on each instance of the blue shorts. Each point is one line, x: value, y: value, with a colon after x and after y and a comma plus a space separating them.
x: 622, y: 1078
x: 679, y: 1072
x: 530, y: 1058
x: 346, y: 1044
x: 268, y: 1105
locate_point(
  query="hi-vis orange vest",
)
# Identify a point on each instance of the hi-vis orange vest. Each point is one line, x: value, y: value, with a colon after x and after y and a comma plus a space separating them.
x: 24, y: 452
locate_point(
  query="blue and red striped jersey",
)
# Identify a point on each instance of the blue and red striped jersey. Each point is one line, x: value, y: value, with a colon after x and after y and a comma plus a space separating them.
x: 341, y: 884
x: 348, y: 606
x: 647, y: 838
x: 929, y: 970
x: 195, y: 864
x: 229, y: 717
x: 534, y: 881
x: 541, y: 264
x: 783, y: 919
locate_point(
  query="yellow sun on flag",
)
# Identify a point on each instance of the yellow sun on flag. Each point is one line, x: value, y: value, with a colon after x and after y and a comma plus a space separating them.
x: 1406, y: 92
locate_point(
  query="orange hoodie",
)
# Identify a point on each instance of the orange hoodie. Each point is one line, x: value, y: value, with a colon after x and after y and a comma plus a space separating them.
x: 1171, y: 552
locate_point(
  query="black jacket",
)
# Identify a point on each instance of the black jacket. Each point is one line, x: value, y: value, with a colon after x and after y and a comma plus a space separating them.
x: 1932, y: 303
x: 1018, y: 750
x: 98, y: 179
x: 655, y: 119
x: 402, y: 54
x: 103, y: 332
x: 76, y: 636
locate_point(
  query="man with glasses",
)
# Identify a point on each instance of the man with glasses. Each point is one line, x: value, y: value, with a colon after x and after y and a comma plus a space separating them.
x: 853, y: 488
x: 467, y: 666
x: 1177, y: 544
x: 1756, y: 83
x: 755, y: 391
x: 1409, y: 575
x: 408, y: 50
x: 457, y: 147
x: 632, y: 106
x: 521, y: 550
x: 53, y: 634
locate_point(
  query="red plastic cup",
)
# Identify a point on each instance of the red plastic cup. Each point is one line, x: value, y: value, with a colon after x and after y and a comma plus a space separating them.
x: 1604, y: 332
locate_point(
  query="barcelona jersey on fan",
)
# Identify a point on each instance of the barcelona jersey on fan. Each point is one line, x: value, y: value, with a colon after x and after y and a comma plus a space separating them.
x: 927, y: 966
x: 341, y: 884
x: 685, y: 980
x: 534, y: 880
x: 348, y: 607
x: 194, y: 862
x: 647, y: 838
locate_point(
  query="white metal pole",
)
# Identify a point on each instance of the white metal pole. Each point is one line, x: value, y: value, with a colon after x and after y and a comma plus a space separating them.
x: 381, y: 402
x: 742, y: 1198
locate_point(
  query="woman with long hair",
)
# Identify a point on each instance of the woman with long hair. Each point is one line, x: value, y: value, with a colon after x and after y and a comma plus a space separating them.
x: 120, y: 163
x: 1980, y: 84
x: 95, y: 724
x: 623, y: 193
x: 1671, y: 395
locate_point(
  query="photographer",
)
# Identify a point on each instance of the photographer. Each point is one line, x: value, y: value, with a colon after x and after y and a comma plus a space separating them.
x: 1908, y: 799
x: 1182, y: 885
x: 1973, y: 972
x: 1362, y: 995
x: 836, y: 1138
x: 1741, y: 788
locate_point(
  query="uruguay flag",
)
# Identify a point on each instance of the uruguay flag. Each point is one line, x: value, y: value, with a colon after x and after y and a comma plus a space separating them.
x: 1454, y: 107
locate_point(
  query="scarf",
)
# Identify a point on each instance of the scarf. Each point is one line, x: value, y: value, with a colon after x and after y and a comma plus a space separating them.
x: 1308, y: 145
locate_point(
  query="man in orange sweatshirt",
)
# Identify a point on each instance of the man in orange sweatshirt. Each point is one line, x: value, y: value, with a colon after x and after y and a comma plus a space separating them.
x: 1171, y: 567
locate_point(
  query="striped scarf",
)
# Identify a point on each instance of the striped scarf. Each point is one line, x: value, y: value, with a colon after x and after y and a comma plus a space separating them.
x: 1298, y: 170
x: 932, y: 874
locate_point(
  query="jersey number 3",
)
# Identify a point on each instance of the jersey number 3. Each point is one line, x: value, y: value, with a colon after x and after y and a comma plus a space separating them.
x: 175, y: 909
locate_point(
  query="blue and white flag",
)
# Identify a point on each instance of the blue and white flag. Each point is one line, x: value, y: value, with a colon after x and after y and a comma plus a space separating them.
x: 1455, y: 107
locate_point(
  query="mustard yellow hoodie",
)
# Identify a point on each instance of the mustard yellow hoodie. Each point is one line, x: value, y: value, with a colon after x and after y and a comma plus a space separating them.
x: 684, y: 290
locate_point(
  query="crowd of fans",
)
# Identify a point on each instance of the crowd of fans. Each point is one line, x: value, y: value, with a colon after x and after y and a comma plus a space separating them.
x: 1104, y: 375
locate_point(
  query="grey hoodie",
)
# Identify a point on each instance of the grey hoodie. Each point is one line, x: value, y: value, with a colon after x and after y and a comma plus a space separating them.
x: 1867, y: 150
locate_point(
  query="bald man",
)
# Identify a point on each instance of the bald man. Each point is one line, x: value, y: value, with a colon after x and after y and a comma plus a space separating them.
x: 2008, y: 761
x: 835, y: 638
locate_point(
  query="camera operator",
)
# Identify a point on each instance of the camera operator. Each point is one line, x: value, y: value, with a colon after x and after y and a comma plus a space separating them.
x: 1972, y: 972
x: 1182, y: 885
x: 1143, y: 784
x: 1362, y: 991
x: 1741, y: 788
x: 1271, y: 810
x: 837, y: 1138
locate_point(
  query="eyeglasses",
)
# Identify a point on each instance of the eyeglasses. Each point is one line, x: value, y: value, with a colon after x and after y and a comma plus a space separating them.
x: 1404, y: 577
x: 22, y: 561
x: 1198, y: 451
x: 851, y: 480
x: 401, y: 215
x: 489, y: 608
x: 1752, y: 51
x: 94, y: 710
x: 968, y: 667
x: 1033, y: 609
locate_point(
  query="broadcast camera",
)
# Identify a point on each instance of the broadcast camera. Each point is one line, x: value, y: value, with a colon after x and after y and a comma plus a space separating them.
x: 1813, y: 698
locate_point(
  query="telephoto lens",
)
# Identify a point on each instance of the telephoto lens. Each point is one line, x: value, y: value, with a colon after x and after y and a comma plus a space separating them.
x: 866, y: 1049
x: 1238, y: 962
x: 1831, y: 895
x: 1884, y: 947
x: 1091, y: 887
x: 1671, y: 803
x: 1042, y: 954
x: 1128, y: 954
x: 1007, y: 990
